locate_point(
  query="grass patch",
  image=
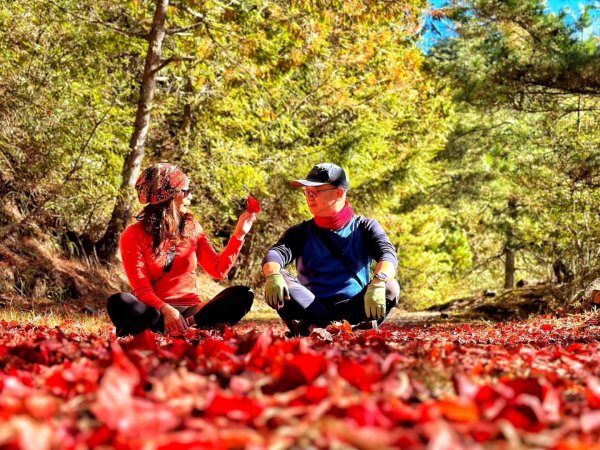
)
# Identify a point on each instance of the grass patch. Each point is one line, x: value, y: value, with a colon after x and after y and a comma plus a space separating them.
x: 69, y: 320
x: 50, y: 318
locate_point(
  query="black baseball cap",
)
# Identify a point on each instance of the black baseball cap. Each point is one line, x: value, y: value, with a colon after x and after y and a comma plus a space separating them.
x: 325, y: 173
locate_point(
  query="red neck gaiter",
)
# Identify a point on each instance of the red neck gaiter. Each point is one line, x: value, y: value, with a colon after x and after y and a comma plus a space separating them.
x: 336, y: 221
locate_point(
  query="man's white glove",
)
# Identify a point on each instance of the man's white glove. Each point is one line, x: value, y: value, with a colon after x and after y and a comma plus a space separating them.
x: 375, y: 301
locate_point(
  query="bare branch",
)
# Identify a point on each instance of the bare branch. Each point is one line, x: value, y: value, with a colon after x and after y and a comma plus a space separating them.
x: 458, y: 136
x: 184, y: 29
x: 104, y: 24
x: 190, y: 11
x: 76, y: 165
x: 164, y: 63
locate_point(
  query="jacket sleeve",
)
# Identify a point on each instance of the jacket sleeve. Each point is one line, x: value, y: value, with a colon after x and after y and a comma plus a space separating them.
x: 134, y: 263
x: 379, y: 245
x: 217, y: 265
x: 289, y: 246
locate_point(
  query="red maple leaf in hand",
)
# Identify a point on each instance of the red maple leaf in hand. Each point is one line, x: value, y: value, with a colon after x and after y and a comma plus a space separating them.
x: 253, y: 205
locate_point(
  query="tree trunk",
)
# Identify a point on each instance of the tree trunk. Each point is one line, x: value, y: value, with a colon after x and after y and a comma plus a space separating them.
x: 509, y: 247
x: 107, y: 246
x: 509, y: 268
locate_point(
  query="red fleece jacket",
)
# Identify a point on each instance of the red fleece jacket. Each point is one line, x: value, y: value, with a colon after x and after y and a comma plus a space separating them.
x: 154, y: 287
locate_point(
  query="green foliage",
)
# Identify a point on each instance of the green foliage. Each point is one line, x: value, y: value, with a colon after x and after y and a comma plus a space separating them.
x: 487, y: 144
x: 277, y: 87
x: 514, y: 49
x: 521, y: 172
x: 254, y: 94
x: 64, y: 107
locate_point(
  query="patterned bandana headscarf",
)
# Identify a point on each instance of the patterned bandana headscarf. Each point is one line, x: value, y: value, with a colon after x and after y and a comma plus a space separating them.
x: 159, y: 183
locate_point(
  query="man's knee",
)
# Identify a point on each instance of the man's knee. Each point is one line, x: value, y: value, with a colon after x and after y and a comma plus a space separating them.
x: 298, y: 292
x: 392, y: 291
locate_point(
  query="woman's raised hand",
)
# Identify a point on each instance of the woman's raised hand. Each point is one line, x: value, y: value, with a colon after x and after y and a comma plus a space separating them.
x: 244, y: 225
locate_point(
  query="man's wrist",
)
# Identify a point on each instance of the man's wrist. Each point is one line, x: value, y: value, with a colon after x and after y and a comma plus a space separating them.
x: 380, y: 277
x: 270, y: 274
x: 271, y: 268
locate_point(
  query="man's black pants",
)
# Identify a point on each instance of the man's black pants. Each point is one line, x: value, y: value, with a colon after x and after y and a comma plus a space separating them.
x: 304, y: 306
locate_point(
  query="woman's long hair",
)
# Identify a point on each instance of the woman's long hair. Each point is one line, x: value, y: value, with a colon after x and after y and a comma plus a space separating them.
x: 165, y: 224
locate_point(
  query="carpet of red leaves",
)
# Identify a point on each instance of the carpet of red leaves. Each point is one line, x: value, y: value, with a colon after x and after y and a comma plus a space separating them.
x: 531, y: 384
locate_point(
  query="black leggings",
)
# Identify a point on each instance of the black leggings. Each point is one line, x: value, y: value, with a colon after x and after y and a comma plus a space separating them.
x: 130, y: 316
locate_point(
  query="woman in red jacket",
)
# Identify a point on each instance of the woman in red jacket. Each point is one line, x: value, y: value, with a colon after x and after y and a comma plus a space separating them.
x: 161, y: 252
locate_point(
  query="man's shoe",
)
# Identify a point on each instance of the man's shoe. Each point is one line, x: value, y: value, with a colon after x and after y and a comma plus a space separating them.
x: 297, y: 328
x: 366, y: 325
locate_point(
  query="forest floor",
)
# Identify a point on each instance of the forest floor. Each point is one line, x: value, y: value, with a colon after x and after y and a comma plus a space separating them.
x: 438, y: 380
x: 421, y: 381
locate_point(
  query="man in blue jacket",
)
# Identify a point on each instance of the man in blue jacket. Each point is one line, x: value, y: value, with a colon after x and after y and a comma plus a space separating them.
x: 333, y: 254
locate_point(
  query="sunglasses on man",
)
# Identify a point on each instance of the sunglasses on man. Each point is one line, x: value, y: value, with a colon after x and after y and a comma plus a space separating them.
x: 313, y: 193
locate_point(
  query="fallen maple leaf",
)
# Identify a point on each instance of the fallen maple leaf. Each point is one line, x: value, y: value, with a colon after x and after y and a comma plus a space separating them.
x: 363, y: 375
x: 593, y: 392
x: 458, y: 410
x: 146, y: 340
x: 237, y: 408
x: 41, y: 406
x: 529, y: 386
x: 343, y: 327
x: 33, y: 435
x: 135, y: 415
x: 590, y: 421
x: 299, y: 370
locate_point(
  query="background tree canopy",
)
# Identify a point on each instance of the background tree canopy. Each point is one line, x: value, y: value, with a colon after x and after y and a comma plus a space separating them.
x: 478, y: 155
